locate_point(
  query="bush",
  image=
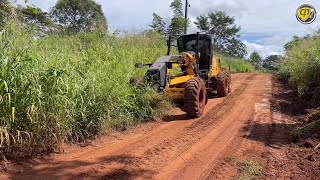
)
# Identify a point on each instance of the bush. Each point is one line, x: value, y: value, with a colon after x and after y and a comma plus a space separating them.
x: 306, y: 131
x: 69, y: 88
x: 302, y: 67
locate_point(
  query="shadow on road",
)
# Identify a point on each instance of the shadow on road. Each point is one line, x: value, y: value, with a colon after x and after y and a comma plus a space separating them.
x: 292, y: 110
x: 274, y: 135
x: 84, y: 169
x: 183, y: 116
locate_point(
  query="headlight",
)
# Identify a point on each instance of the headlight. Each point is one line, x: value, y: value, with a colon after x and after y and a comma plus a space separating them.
x: 181, y: 62
x: 184, y: 62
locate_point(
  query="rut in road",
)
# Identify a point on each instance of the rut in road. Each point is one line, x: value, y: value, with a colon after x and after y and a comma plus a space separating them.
x: 156, y: 157
x: 177, y: 149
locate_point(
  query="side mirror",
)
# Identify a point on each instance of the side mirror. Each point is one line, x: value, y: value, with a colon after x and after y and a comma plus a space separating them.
x: 139, y: 65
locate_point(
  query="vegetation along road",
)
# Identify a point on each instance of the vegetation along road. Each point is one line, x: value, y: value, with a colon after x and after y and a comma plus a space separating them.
x: 71, y: 109
x: 237, y: 136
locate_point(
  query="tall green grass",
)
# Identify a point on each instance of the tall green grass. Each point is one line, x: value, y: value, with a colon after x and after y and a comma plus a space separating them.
x: 302, y: 67
x: 68, y: 88
x: 237, y: 64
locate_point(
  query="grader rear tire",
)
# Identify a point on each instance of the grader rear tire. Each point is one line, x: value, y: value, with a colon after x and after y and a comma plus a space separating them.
x: 195, y: 97
x: 223, y: 84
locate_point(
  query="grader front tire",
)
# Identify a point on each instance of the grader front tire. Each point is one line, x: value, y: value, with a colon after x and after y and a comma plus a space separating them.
x: 223, y: 84
x: 195, y: 97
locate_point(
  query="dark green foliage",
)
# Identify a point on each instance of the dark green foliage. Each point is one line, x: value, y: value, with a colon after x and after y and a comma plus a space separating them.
x: 79, y: 16
x: 5, y: 11
x: 224, y: 33
x: 256, y: 60
x: 235, y: 48
x: 295, y: 40
x: 35, y: 17
x: 272, y: 62
x: 177, y: 24
x: 178, y: 21
x: 203, y: 23
x: 158, y: 24
x: 306, y: 131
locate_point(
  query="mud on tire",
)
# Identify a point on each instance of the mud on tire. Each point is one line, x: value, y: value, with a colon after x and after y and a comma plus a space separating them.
x: 223, y: 84
x: 195, y: 97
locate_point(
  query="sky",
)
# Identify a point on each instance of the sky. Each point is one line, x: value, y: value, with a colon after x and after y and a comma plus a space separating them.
x: 265, y: 25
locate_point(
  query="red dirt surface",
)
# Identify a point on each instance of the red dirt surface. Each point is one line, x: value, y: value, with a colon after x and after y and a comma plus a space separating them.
x: 246, y: 125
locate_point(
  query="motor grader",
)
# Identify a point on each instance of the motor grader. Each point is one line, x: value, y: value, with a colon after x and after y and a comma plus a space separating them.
x: 190, y: 75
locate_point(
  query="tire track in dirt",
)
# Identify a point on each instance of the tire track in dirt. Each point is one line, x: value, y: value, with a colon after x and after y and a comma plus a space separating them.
x: 167, y: 129
x: 156, y: 156
x: 242, y: 146
x: 176, y: 145
x: 169, y: 149
x: 202, y: 154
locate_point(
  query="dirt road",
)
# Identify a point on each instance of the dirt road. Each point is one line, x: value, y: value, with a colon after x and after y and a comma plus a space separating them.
x: 175, y: 148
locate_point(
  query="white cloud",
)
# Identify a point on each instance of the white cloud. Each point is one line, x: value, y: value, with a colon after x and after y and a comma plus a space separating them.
x: 275, y: 39
x: 232, y: 7
x: 263, y: 50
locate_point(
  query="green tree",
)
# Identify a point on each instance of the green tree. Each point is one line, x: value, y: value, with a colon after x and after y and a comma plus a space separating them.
x: 79, y: 16
x: 158, y: 24
x: 236, y: 48
x: 224, y: 33
x: 295, y: 40
x: 5, y: 12
x: 178, y: 21
x: 272, y: 62
x: 35, y: 16
x: 255, y: 60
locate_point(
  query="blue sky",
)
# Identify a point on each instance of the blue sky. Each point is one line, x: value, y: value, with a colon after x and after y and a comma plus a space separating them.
x: 265, y: 25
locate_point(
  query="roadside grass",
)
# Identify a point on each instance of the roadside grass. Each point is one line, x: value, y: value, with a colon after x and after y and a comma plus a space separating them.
x: 60, y: 88
x: 306, y: 131
x: 69, y: 88
x: 237, y: 64
x: 249, y: 170
x: 310, y: 128
x: 302, y: 68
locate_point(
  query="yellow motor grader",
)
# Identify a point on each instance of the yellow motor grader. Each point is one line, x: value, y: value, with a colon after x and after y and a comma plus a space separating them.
x: 190, y: 75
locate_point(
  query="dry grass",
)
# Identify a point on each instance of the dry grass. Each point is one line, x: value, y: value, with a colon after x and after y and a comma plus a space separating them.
x: 249, y: 170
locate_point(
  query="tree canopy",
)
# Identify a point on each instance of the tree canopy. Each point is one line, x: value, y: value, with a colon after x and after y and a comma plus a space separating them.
x: 289, y: 45
x: 256, y: 59
x: 33, y: 15
x: 36, y: 17
x: 224, y: 33
x: 158, y: 24
x: 178, y: 21
x: 79, y: 16
x: 272, y: 62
